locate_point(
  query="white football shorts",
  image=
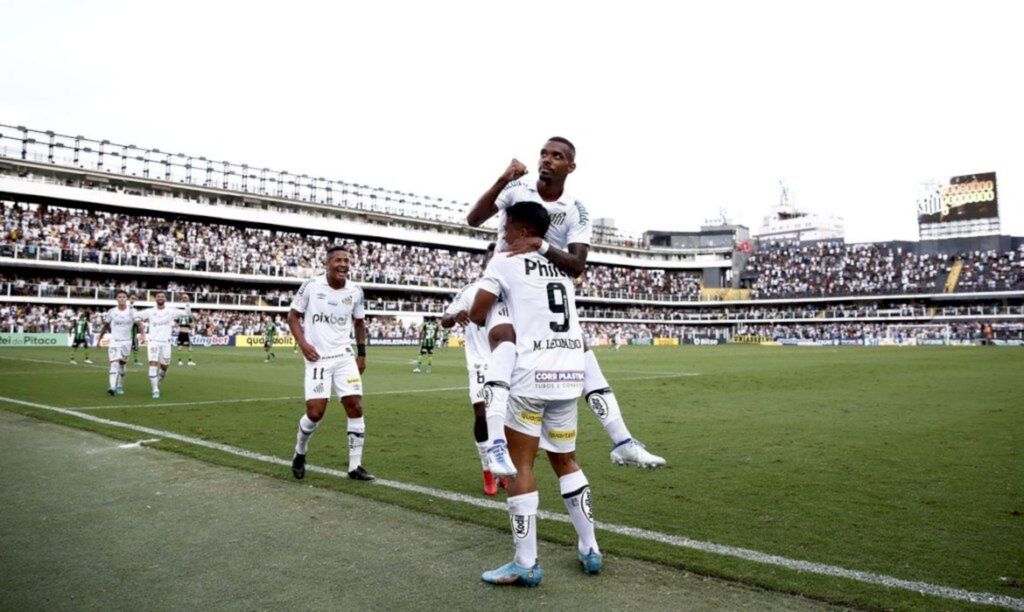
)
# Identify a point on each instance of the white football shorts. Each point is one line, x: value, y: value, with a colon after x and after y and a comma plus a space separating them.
x: 553, y: 421
x: 118, y: 351
x: 340, y: 374
x: 159, y: 352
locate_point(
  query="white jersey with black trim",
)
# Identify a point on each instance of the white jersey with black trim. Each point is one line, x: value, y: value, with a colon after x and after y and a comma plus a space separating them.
x: 542, y: 305
x: 120, y: 322
x: 478, y: 349
x: 161, y: 322
x: 570, y: 221
x: 327, y: 314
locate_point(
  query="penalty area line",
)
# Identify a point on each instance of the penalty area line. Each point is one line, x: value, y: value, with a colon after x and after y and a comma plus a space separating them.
x: 924, y: 588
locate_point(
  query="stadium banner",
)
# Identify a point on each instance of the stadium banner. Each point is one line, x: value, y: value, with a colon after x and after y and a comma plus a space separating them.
x: 257, y: 341
x: 749, y: 339
x: 666, y: 342
x: 35, y: 339
x: 642, y: 341
x: 393, y: 342
x: 965, y: 198
x: 456, y: 342
x: 705, y: 341
x: 213, y: 340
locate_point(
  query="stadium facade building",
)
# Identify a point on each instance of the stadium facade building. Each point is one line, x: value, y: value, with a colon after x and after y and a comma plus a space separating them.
x: 667, y: 288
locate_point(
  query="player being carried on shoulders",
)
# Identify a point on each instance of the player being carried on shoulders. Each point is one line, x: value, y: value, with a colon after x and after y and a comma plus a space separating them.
x: 565, y: 246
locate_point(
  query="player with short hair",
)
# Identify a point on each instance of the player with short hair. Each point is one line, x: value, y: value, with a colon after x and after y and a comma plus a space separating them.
x: 477, y: 352
x: 445, y: 331
x: 119, y: 322
x: 185, y: 323
x: 565, y: 245
x: 545, y: 385
x: 161, y: 319
x: 80, y: 337
x: 428, y: 339
x: 325, y: 311
x: 135, y: 331
x: 268, y: 340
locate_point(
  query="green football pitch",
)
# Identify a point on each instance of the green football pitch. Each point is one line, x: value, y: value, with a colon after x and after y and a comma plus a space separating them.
x: 871, y: 477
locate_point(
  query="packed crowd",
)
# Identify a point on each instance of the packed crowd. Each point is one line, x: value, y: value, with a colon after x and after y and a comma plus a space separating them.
x: 876, y: 332
x: 827, y: 269
x: 64, y: 234
x: 992, y: 271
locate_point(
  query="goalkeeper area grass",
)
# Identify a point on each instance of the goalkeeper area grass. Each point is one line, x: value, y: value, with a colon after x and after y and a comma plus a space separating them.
x: 879, y: 477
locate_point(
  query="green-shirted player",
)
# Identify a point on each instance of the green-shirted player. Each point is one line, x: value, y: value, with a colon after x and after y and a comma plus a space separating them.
x: 268, y: 340
x: 444, y: 338
x: 80, y: 337
x: 185, y: 324
x: 428, y: 338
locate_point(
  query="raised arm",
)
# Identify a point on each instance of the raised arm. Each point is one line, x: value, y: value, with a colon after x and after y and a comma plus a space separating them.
x: 573, y: 261
x: 485, y: 207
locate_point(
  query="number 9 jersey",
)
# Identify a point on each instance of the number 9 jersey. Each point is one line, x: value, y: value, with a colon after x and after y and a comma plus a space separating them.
x: 542, y: 305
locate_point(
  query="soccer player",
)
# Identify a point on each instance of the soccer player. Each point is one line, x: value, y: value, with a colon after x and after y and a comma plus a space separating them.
x: 444, y: 336
x: 616, y: 338
x: 120, y: 323
x: 565, y: 245
x: 477, y: 352
x: 161, y: 319
x: 324, y: 312
x: 135, y: 331
x: 80, y: 337
x: 268, y: 340
x: 546, y: 382
x: 185, y: 323
x: 428, y: 338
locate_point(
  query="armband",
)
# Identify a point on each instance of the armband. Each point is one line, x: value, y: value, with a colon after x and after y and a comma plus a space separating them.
x: 543, y: 248
x: 360, y: 350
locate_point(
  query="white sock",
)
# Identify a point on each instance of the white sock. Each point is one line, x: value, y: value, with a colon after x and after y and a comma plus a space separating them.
x: 154, y: 379
x: 481, y: 449
x: 576, y: 495
x: 113, y: 374
x: 522, y: 513
x: 306, y: 429
x: 602, y: 400
x: 356, y: 434
x: 499, y: 376
x: 120, y: 375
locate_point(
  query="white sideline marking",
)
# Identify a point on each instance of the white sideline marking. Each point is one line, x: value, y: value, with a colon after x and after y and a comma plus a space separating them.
x: 139, y: 443
x: 178, y: 404
x: 51, y: 362
x: 924, y: 588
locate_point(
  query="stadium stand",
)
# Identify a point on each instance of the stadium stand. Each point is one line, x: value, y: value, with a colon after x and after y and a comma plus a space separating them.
x: 80, y: 218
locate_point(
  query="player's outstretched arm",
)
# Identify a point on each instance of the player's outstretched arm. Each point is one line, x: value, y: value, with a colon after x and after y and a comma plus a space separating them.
x: 449, y: 320
x: 573, y: 262
x: 481, y: 306
x: 485, y: 207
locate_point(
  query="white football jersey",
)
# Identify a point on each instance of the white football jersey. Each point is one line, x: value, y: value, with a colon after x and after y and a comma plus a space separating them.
x: 570, y: 221
x: 542, y: 305
x: 328, y: 313
x: 478, y: 349
x: 161, y: 322
x: 121, y: 323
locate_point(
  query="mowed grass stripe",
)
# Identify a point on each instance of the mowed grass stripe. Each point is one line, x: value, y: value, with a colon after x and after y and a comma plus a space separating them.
x: 940, y: 591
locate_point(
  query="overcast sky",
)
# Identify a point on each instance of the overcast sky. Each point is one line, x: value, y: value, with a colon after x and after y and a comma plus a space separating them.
x: 676, y: 109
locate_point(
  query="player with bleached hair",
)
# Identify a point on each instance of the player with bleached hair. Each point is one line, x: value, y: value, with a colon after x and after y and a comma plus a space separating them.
x: 120, y: 323
x: 161, y: 319
x: 545, y: 384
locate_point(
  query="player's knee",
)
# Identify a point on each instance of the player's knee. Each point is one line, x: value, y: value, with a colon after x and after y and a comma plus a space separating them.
x: 315, y: 409
x: 563, y: 463
x: 353, y: 405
